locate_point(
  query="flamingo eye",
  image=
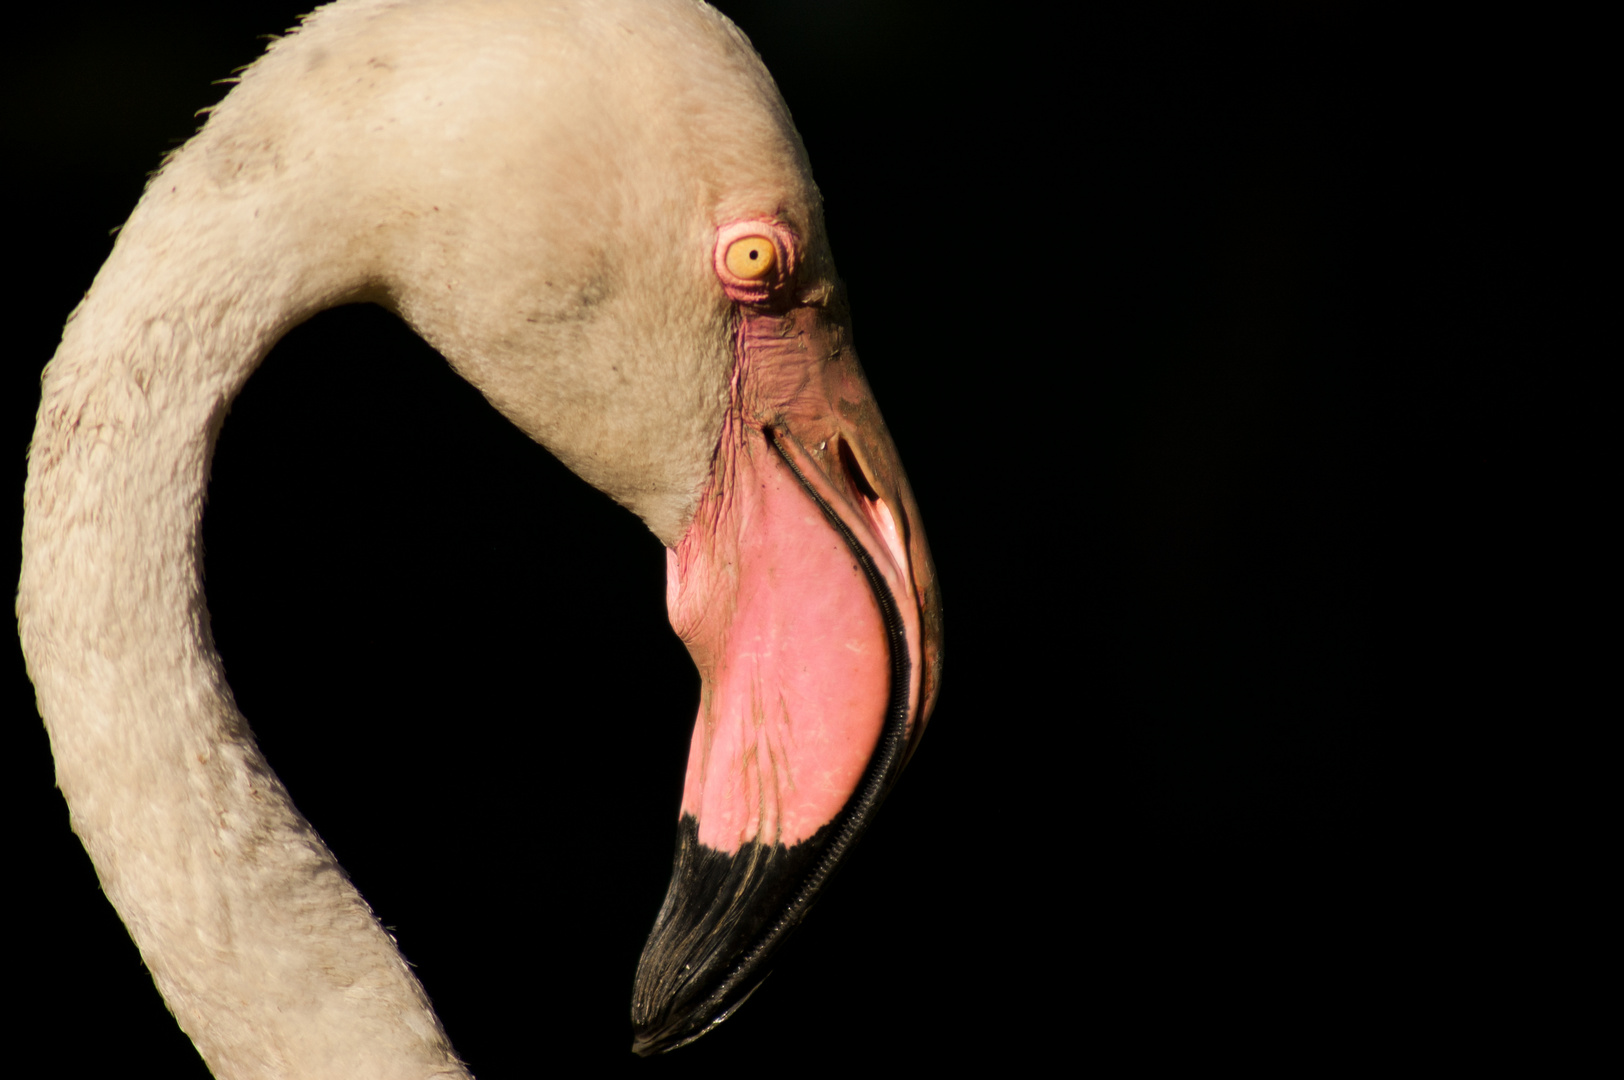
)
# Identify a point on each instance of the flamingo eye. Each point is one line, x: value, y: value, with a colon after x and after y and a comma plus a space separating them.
x: 754, y: 259
x: 750, y: 257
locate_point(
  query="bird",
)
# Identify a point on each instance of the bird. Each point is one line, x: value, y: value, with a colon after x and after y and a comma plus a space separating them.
x: 601, y: 215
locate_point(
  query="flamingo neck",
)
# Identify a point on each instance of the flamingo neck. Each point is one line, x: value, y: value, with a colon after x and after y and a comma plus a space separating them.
x: 270, y: 960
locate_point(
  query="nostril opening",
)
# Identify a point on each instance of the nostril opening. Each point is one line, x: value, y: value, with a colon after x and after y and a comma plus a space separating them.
x: 854, y: 469
x: 891, y: 532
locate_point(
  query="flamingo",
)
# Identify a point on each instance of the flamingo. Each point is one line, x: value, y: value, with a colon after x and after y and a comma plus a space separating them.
x: 601, y: 215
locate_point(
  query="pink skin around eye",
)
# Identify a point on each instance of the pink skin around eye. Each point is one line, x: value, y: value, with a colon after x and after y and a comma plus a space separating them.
x: 744, y: 290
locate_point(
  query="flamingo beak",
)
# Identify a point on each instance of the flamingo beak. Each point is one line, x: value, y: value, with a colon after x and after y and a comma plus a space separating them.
x: 805, y: 593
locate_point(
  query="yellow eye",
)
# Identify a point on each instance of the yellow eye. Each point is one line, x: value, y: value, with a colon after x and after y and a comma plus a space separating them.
x: 750, y: 257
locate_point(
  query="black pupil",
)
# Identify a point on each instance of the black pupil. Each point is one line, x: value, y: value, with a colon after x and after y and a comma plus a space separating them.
x: 754, y: 254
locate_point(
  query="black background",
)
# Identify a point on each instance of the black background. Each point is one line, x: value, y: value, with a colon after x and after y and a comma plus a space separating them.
x: 1121, y: 288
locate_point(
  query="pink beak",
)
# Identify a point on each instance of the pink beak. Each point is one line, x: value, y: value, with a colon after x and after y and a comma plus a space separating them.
x: 805, y: 593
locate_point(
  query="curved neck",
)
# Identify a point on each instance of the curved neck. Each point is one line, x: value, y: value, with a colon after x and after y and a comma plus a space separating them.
x: 269, y: 958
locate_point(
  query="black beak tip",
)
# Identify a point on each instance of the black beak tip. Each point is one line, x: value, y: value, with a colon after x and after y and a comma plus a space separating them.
x: 678, y: 1031
x: 648, y: 1043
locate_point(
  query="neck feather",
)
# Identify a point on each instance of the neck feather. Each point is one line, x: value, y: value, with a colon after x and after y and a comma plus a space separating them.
x: 269, y: 958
